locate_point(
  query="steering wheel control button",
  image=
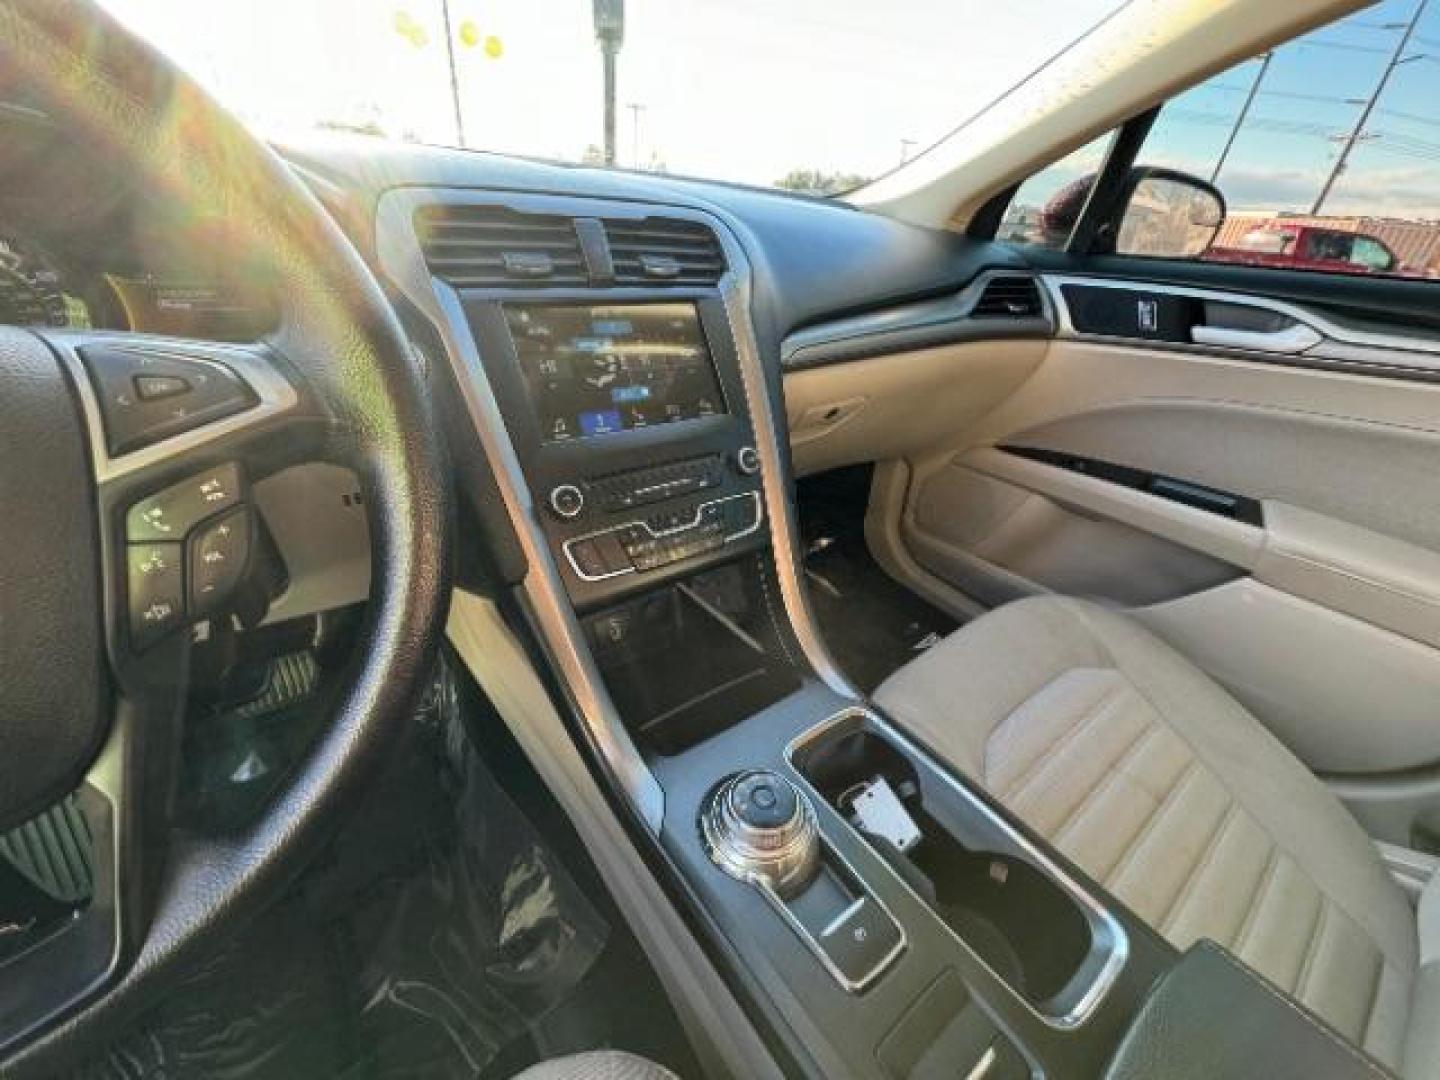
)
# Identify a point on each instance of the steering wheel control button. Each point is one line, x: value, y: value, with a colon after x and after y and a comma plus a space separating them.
x: 567, y: 500
x: 747, y: 460
x: 760, y: 829
x: 160, y: 387
x: 156, y: 578
x: 149, y: 394
x: 171, y: 514
x: 219, y: 555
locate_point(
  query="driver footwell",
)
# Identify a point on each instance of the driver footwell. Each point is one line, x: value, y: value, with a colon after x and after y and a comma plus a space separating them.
x: 441, y: 936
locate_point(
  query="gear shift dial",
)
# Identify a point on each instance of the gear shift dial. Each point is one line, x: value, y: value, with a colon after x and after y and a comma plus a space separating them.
x: 760, y: 828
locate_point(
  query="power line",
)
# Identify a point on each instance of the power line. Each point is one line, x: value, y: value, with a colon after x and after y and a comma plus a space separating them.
x: 1343, y: 46
x: 1414, y: 118
x: 1364, y: 117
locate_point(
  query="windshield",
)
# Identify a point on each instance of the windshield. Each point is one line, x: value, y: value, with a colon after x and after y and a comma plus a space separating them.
x: 811, y: 95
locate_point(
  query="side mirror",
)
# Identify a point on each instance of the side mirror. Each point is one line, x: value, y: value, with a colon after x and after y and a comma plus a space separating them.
x: 1168, y: 214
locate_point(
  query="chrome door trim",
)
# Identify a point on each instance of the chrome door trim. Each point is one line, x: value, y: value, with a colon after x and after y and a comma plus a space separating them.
x: 1339, y: 347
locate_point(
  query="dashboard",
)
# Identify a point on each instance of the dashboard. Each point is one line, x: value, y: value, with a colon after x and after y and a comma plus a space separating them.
x: 79, y: 249
x: 37, y: 289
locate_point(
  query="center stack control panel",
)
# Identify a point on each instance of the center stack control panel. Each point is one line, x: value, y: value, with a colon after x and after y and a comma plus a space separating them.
x: 659, y: 517
x: 628, y: 416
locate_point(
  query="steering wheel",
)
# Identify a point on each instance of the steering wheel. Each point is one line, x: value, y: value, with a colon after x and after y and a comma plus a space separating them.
x: 113, y: 503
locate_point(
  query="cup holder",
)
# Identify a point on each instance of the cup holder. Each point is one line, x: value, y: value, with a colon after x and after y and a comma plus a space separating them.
x: 1004, y: 899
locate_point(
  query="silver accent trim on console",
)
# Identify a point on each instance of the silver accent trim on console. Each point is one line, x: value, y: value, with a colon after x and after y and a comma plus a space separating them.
x: 784, y: 529
x: 662, y: 533
x: 1336, y: 346
x: 849, y: 985
x: 403, y: 264
x: 1119, y: 953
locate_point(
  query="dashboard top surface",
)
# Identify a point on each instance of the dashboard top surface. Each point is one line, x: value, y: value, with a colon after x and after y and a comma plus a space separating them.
x: 813, y: 258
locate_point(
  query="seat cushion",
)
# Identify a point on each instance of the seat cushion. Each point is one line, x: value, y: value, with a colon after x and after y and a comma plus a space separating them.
x: 1160, y: 786
x: 597, y: 1065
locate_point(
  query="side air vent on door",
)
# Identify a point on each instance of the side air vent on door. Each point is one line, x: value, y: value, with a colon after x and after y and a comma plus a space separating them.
x: 1009, y: 297
x: 493, y: 246
x: 663, y: 251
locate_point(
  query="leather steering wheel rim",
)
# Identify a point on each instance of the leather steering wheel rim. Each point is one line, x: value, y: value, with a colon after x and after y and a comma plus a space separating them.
x: 340, y: 334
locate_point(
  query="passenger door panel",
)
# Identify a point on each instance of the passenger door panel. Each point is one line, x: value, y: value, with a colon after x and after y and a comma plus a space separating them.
x: 1321, y: 614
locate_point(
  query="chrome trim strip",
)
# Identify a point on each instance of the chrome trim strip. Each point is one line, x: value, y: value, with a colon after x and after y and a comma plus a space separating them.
x: 849, y: 985
x: 661, y: 534
x: 403, y: 264
x: 953, y: 310
x: 276, y: 396
x: 1119, y: 952
x: 982, y: 1068
x: 1387, y: 352
x: 784, y: 530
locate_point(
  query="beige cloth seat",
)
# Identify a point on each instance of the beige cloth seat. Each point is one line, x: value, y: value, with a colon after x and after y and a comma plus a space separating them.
x: 597, y: 1065
x: 1158, y: 784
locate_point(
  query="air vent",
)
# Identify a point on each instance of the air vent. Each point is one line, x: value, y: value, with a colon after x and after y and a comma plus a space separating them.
x: 495, y: 247
x: 1009, y: 298
x: 664, y: 251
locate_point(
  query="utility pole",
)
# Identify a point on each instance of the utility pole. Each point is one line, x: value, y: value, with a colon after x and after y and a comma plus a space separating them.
x: 1397, y: 58
x: 636, y: 108
x: 610, y: 33
x: 1244, y: 112
x: 454, y: 73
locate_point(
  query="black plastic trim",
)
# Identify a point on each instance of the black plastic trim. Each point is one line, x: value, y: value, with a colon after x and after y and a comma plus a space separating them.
x: 922, y: 324
x: 1197, y: 496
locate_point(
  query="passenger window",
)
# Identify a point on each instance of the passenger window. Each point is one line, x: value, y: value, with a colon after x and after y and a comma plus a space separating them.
x: 1044, y: 211
x: 1326, y: 150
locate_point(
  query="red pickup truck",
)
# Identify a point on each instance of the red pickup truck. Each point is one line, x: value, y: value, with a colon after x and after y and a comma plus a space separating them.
x: 1308, y: 247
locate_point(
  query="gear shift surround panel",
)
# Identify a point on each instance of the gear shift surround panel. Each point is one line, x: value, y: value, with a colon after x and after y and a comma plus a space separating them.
x: 760, y: 828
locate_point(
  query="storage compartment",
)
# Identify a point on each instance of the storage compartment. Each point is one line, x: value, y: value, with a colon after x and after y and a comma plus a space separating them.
x: 691, y: 658
x: 1002, y: 897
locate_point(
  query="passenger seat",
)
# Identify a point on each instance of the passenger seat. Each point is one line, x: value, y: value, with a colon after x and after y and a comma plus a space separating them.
x: 1159, y: 785
x: 597, y: 1065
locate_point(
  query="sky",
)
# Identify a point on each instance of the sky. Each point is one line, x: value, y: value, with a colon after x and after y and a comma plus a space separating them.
x: 1309, y: 100
x: 742, y: 90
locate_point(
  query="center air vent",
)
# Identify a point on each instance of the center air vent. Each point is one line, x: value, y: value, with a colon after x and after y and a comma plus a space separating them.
x: 1009, y: 297
x: 492, y: 246
x: 663, y: 251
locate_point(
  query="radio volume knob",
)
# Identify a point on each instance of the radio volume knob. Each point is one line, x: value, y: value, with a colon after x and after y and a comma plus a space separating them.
x: 567, y: 500
x: 747, y: 460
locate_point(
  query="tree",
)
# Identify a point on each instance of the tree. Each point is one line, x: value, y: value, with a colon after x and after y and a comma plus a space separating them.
x: 816, y: 182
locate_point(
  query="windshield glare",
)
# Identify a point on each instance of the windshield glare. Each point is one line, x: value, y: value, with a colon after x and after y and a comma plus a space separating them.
x: 811, y: 95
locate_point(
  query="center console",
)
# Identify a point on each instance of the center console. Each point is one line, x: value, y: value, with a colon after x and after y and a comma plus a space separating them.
x: 885, y: 917
x: 628, y: 418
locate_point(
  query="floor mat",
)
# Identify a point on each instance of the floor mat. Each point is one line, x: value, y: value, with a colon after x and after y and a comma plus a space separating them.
x: 438, y: 932
x: 872, y: 624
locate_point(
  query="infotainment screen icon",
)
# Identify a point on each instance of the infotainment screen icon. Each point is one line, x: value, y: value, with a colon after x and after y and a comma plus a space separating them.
x: 598, y: 369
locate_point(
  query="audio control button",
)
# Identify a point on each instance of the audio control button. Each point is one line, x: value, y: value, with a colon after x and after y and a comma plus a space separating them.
x: 567, y: 500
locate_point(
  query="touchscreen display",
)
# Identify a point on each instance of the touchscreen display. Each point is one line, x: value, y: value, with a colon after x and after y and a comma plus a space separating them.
x: 596, y: 369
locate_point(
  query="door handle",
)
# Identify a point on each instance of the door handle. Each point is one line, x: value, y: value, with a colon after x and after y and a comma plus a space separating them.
x: 1293, y: 339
